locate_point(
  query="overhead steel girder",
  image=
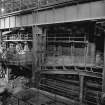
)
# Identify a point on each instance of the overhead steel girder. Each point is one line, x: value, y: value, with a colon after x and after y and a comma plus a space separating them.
x: 80, y: 12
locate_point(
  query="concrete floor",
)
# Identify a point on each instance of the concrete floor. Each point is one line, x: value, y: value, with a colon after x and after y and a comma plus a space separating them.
x: 42, y: 98
x: 46, y: 98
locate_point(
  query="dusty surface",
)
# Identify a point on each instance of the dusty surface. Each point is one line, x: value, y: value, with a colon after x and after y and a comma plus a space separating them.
x: 36, y: 97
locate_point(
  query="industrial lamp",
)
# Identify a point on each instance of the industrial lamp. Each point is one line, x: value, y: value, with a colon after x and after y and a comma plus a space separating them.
x: 2, y: 10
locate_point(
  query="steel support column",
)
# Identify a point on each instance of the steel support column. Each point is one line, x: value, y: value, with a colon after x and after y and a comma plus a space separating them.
x: 103, y: 86
x: 36, y: 51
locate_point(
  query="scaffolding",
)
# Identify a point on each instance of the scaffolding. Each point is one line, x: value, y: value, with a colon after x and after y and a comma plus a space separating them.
x: 65, y: 52
x: 65, y: 49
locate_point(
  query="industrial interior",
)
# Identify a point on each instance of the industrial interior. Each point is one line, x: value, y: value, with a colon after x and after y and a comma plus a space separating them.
x: 52, y: 52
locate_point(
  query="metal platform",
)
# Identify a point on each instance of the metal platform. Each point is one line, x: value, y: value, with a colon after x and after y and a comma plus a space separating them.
x: 79, y: 70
